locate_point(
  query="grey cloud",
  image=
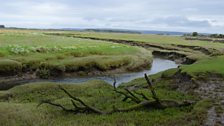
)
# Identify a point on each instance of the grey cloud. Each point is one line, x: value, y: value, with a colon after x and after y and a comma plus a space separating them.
x: 181, y: 22
x: 187, y: 15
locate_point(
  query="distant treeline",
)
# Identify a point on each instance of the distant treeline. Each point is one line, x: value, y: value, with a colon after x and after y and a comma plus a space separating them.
x: 113, y: 31
x: 217, y: 35
x: 2, y: 26
x: 196, y: 34
x: 205, y: 37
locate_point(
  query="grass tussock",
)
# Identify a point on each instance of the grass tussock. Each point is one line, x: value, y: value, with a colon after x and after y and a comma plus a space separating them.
x: 9, y: 67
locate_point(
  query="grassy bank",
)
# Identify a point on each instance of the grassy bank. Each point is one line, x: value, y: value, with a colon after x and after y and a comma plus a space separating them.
x: 206, y: 67
x: 51, y: 55
x: 18, y: 106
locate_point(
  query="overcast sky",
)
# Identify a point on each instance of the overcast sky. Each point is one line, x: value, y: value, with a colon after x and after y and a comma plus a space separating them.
x: 168, y: 15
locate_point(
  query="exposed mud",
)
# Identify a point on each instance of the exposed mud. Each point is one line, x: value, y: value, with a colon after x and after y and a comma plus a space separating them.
x: 211, y: 119
x: 177, y: 57
x: 207, y: 51
x: 207, y: 87
x: 211, y: 87
x: 11, y: 81
x: 7, y: 82
x: 197, y: 48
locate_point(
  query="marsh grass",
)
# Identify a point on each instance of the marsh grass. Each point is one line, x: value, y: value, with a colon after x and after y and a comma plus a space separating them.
x: 206, y: 67
x: 20, y: 109
x: 9, y: 67
x: 63, y: 54
x: 162, y: 40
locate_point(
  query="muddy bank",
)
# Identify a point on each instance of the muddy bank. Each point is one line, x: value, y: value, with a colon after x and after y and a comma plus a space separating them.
x: 158, y: 65
x: 11, y: 81
x: 197, y: 48
x: 174, y: 56
x: 200, y: 84
x: 209, y: 51
x: 211, y: 87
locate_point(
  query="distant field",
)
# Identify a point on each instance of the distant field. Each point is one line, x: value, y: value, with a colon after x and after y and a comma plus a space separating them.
x: 157, y: 39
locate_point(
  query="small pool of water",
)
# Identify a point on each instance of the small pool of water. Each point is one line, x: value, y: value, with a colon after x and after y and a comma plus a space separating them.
x: 157, y: 66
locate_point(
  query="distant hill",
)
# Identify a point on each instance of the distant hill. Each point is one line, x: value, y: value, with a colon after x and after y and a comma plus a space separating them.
x: 164, y: 33
x: 131, y: 31
x: 114, y: 31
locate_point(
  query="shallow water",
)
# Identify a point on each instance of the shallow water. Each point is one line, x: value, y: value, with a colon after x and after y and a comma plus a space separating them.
x: 157, y: 66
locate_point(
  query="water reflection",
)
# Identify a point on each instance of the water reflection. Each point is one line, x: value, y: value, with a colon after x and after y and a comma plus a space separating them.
x: 157, y: 66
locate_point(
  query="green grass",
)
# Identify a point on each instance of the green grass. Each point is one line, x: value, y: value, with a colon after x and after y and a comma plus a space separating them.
x: 207, y: 66
x: 20, y: 109
x: 195, y: 50
x: 156, y: 39
x: 34, y: 50
x: 9, y: 67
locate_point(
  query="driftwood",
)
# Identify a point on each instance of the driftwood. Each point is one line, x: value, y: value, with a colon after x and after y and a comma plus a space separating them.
x: 142, y: 102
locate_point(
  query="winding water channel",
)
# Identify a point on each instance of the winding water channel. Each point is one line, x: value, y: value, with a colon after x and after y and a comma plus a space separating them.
x: 158, y: 65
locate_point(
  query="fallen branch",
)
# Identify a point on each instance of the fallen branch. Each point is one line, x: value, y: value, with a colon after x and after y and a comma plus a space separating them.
x: 142, y: 95
x: 82, y: 107
x: 128, y: 94
x: 154, y: 96
x: 85, y: 108
x: 55, y: 104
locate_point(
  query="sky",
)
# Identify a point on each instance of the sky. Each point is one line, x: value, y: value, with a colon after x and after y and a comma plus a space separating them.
x: 205, y: 16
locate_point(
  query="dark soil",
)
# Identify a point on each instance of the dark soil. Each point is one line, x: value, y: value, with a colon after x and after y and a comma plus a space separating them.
x: 211, y: 87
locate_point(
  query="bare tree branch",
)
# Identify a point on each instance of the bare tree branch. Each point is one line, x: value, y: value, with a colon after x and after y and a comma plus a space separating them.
x: 133, y: 96
x: 127, y: 96
x: 154, y: 96
x: 54, y: 104
x: 142, y: 95
x: 87, y: 107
